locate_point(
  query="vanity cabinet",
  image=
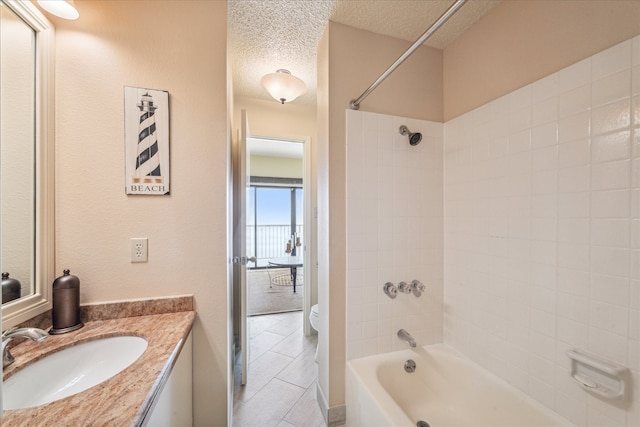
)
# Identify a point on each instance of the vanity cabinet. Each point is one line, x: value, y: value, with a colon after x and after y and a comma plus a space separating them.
x: 173, y: 406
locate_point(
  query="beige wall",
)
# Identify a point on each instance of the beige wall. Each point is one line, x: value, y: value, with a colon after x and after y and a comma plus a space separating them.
x: 272, y: 119
x: 521, y: 41
x: 359, y: 57
x: 349, y: 60
x: 179, y: 47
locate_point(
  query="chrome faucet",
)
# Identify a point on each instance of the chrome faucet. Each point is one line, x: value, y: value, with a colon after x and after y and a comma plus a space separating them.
x: 406, y: 336
x: 34, y: 334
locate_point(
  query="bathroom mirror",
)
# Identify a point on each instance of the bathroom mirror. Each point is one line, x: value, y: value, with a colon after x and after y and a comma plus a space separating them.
x: 26, y: 159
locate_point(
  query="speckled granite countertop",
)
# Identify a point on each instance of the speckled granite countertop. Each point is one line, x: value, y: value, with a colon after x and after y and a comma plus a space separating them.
x: 126, y: 398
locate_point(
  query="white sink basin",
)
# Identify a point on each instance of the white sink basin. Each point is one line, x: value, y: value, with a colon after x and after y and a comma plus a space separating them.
x: 70, y: 371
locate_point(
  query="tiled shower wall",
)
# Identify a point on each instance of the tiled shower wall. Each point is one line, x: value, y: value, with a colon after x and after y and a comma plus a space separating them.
x: 394, y: 231
x: 542, y: 232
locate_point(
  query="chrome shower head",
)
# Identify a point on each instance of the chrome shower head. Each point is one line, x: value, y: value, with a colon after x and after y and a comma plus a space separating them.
x: 414, y: 138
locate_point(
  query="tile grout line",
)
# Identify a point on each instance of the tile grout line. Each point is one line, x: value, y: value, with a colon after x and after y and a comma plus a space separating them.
x: 296, y: 402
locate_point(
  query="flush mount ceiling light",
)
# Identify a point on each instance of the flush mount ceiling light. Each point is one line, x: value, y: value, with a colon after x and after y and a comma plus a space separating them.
x: 283, y: 86
x: 65, y: 9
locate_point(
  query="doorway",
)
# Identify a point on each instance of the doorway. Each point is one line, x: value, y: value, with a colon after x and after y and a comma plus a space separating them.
x: 281, y: 372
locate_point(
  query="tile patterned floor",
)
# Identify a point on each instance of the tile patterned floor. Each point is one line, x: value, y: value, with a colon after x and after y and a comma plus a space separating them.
x: 281, y: 390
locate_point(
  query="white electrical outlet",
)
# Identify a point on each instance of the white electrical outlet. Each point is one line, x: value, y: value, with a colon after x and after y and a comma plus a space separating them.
x: 139, y: 249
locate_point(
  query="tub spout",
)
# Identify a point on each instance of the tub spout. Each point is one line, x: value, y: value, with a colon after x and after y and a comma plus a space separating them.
x: 406, y: 336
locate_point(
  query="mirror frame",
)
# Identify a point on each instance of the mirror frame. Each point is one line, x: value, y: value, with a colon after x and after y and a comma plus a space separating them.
x: 39, y: 300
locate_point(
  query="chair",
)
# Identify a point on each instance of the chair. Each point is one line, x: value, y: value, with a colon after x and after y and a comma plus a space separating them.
x: 282, y: 279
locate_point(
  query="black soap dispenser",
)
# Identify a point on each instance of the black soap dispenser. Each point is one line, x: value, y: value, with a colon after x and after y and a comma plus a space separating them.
x: 65, y: 315
x: 10, y: 288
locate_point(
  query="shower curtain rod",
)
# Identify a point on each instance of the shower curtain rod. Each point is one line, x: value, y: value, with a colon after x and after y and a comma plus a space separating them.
x: 355, y: 103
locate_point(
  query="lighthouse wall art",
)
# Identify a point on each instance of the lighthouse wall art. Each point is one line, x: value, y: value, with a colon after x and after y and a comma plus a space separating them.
x: 146, y: 135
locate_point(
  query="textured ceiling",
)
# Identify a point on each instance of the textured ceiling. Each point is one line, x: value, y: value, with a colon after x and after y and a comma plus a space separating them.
x: 408, y: 19
x: 265, y: 35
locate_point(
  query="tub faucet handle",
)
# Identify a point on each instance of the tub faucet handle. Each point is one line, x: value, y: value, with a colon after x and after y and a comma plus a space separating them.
x: 418, y: 287
x: 390, y: 290
x: 404, y: 287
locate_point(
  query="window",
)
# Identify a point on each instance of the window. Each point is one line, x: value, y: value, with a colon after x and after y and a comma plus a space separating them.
x: 274, y: 218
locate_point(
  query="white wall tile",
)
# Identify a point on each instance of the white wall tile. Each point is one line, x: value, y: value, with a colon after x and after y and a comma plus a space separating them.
x: 611, y: 88
x: 635, y: 140
x: 519, y: 119
x: 546, y: 206
x: 544, y: 135
x: 545, y: 88
x: 610, y: 261
x: 576, y: 75
x: 608, y: 345
x: 544, y: 228
x: 575, y: 282
x: 573, y: 307
x: 610, y: 232
x: 578, y: 126
x: 635, y: 173
x: 609, y: 317
x: 544, y: 182
x: 574, y: 230
x: 574, y: 153
x: 612, y: 60
x: 610, y: 289
x: 611, y: 175
x: 544, y: 111
x: 520, y: 141
x: 573, y: 256
x: 610, y: 204
x: 576, y: 205
x: 393, y: 232
x: 519, y: 164
x: 574, y: 101
x: 544, y: 298
x: 574, y: 179
x: 609, y: 118
x: 635, y: 234
x: 613, y: 146
x: 573, y: 333
x: 634, y: 330
x: 519, y: 98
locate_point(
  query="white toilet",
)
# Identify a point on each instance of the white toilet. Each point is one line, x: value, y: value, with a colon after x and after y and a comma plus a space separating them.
x: 315, y: 323
x: 313, y: 317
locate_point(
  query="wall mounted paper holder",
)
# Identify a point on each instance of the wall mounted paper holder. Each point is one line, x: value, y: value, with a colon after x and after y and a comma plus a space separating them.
x: 597, y: 375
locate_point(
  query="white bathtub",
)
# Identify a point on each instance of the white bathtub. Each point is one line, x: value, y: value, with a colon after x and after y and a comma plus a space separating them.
x: 446, y: 389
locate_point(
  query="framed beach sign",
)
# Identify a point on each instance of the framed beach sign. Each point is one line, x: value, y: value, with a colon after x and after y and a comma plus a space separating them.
x: 146, y: 134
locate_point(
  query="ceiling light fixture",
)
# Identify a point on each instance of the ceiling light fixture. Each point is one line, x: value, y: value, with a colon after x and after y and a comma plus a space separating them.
x: 283, y: 86
x: 65, y: 9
